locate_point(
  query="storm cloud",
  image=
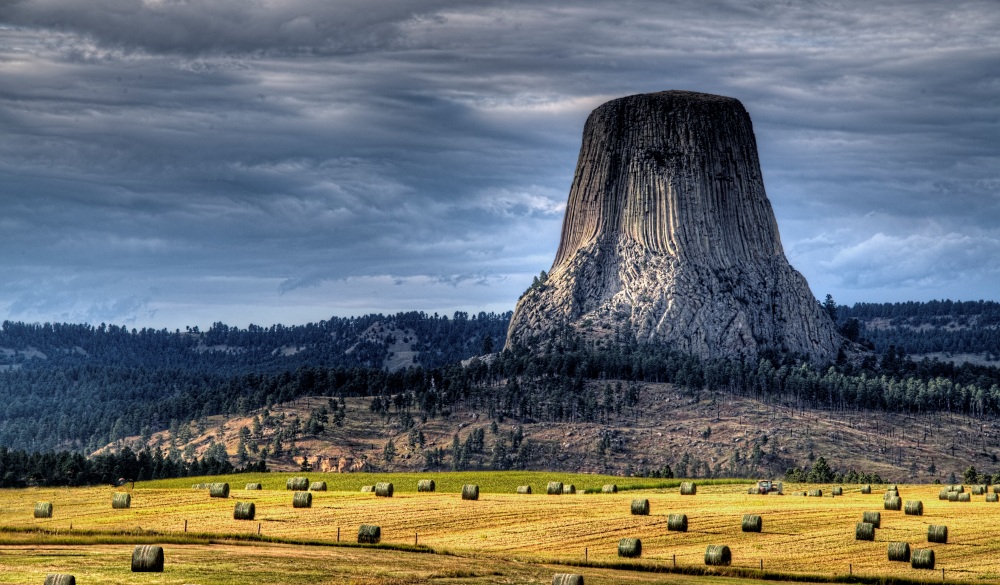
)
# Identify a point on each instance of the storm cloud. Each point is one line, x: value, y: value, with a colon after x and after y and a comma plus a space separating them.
x: 170, y: 162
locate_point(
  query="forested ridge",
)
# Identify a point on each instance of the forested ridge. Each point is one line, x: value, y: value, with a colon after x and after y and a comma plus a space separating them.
x: 79, y: 387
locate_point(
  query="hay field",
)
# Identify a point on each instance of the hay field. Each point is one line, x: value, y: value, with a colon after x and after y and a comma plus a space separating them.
x: 800, y: 536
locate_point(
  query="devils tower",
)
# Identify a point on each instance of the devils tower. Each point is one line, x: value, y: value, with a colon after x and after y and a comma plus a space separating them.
x: 669, y: 238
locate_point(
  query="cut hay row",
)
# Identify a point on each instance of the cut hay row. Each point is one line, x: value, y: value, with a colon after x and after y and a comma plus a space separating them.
x: 244, y: 511
x: 718, y: 555
x: 219, y: 490
x: 524, y: 489
x: 369, y: 534
x: 677, y: 522
x: 640, y: 507
x: 302, y: 500
x: 873, y: 518
x: 937, y: 534
x: 121, y: 501
x: 43, y: 509
x: 899, y: 551
x: 426, y: 485
x: 470, y: 492
x: 864, y: 531
x: 297, y: 484
x: 914, y: 508
x: 688, y: 488
x: 630, y: 548
x: 752, y: 523
x: 147, y: 558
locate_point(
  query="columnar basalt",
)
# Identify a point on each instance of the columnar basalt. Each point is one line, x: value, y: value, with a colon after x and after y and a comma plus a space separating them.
x: 669, y: 237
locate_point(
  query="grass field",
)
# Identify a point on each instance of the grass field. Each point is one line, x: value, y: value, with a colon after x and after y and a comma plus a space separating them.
x: 501, y: 538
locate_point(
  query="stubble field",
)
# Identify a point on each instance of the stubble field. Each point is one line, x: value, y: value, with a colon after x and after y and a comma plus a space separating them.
x: 501, y: 538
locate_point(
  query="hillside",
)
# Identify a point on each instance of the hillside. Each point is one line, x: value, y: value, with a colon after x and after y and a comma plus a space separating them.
x: 714, y: 435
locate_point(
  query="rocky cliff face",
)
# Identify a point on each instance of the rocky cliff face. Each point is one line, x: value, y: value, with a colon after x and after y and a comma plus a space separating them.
x: 670, y: 236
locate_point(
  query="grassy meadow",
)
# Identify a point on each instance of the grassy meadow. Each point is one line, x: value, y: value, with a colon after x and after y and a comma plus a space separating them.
x: 503, y: 537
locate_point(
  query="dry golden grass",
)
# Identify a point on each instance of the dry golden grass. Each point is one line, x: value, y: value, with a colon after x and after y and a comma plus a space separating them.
x: 801, y: 535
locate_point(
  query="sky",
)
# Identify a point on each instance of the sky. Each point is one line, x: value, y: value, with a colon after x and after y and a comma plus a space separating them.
x: 172, y: 163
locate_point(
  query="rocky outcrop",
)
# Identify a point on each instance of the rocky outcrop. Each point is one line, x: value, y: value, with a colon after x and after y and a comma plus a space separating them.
x: 669, y: 237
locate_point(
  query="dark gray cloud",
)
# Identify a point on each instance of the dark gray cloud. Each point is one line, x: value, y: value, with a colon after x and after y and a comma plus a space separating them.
x: 171, y: 162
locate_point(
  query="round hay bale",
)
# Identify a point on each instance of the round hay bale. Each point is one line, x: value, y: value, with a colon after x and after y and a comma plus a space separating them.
x: 677, y: 522
x: 470, y: 492
x: 369, y: 534
x: 244, y: 511
x: 254, y: 486
x: 751, y: 490
x: 524, y: 489
x: 567, y: 579
x: 43, y: 509
x: 922, y: 558
x: 937, y: 534
x: 630, y: 548
x: 121, y: 501
x: 302, y: 500
x: 383, y: 489
x: 297, y: 484
x: 199, y: 486
x: 953, y: 496
x: 914, y: 508
x: 864, y: 531
x: 873, y: 518
x: 816, y: 493
x: 426, y: 485
x: 978, y: 490
x: 891, y: 494
x: 838, y: 491
x: 554, y: 488
x: 899, y: 551
x: 219, y: 490
x: 609, y: 488
x: 317, y: 486
x: 956, y: 488
x: 992, y: 497
x: 996, y: 489
x: 688, y: 488
x: 893, y: 504
x: 866, y: 489
x: 943, y: 494
x: 718, y: 555
x: 569, y: 488
x: 798, y: 493
x: 640, y: 507
x: 752, y: 523
x: 59, y: 579
x: 147, y: 558
x: 367, y: 489
x: 966, y: 497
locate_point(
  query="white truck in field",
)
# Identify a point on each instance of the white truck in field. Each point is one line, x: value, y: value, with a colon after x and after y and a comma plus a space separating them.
x: 766, y: 486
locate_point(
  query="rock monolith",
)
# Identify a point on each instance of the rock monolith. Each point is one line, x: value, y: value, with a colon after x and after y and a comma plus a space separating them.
x: 669, y: 238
